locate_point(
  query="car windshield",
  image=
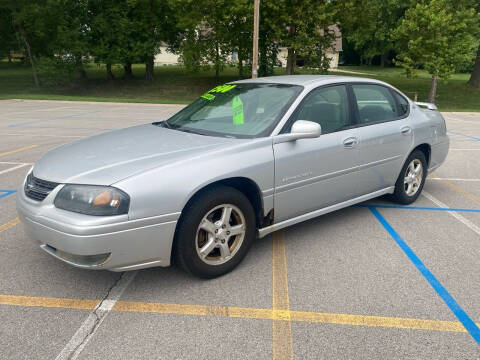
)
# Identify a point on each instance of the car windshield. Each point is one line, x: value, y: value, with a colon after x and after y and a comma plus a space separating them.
x: 235, y: 110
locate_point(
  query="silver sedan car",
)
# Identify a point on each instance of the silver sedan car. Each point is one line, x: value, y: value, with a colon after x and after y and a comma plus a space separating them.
x: 243, y: 160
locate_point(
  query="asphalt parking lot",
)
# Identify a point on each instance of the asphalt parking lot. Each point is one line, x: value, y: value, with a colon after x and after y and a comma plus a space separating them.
x: 375, y: 281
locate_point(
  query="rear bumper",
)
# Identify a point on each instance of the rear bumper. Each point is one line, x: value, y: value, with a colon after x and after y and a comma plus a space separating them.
x: 117, y: 246
x: 439, y: 154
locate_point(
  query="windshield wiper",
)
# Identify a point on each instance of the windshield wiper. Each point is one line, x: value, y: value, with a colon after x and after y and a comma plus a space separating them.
x: 190, y: 131
x: 164, y: 124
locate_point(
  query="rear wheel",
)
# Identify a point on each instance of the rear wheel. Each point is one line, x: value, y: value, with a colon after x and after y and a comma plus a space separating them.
x: 410, y: 182
x: 214, y: 232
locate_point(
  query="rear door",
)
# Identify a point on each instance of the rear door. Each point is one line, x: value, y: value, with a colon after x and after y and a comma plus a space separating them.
x: 385, y: 134
x: 313, y: 173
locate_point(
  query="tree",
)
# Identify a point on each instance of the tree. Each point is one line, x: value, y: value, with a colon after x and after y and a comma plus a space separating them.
x: 303, y: 27
x: 35, y: 23
x: 153, y: 22
x: 72, y: 32
x: 369, y: 25
x: 268, y: 44
x: 239, y: 20
x: 112, y: 36
x: 439, y: 35
x: 475, y: 77
x: 52, y: 32
x: 8, y: 40
x: 207, y: 24
x: 106, y: 23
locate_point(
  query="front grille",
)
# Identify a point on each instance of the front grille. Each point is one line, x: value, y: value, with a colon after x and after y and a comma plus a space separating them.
x: 38, y: 189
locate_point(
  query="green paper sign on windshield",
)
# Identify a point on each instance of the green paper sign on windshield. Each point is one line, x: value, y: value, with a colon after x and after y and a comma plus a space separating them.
x: 208, y: 96
x: 237, y: 107
x: 219, y: 89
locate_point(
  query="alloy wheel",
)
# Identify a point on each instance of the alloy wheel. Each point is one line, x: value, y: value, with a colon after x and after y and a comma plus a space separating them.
x: 413, y: 177
x: 220, y: 234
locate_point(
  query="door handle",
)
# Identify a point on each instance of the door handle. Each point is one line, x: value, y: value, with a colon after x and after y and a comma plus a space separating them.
x: 406, y: 130
x: 350, y: 142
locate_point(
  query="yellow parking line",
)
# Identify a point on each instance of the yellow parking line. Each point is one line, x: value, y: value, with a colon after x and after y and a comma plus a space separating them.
x: 9, y: 224
x: 48, y: 302
x: 377, y: 321
x: 199, y: 310
x: 17, y: 150
x: 299, y: 316
x: 239, y: 312
x: 282, y: 329
x: 460, y: 191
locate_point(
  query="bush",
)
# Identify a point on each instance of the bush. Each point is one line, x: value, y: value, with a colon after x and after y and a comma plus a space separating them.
x: 57, y: 70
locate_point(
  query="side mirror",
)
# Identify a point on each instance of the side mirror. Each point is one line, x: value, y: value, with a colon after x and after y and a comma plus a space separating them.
x: 301, y: 129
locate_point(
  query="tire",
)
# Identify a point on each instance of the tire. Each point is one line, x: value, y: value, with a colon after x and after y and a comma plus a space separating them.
x: 202, y: 250
x: 403, y: 194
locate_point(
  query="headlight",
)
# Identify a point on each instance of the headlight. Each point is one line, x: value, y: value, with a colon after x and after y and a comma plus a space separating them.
x: 92, y: 200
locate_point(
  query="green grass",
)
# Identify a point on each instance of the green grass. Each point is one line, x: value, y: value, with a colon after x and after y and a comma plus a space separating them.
x: 453, y: 94
x: 173, y: 84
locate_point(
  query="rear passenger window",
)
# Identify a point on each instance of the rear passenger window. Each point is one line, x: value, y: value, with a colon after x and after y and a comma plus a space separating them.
x: 326, y: 106
x: 375, y: 103
x: 403, y: 108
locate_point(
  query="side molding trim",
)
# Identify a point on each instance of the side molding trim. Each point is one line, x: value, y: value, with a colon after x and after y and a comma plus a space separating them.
x: 269, y: 229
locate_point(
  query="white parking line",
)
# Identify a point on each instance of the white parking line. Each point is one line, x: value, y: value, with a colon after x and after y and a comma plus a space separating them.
x: 456, y: 215
x: 91, y: 324
x: 448, y: 118
x: 13, y: 168
x: 452, y: 179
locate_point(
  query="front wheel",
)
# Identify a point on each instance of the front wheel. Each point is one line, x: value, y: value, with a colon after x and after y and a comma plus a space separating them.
x: 215, y: 232
x: 410, y: 182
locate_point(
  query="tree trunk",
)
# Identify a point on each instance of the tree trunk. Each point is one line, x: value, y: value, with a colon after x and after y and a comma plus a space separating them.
x: 217, y: 61
x: 81, y: 70
x: 369, y: 61
x: 240, y: 65
x: 110, y: 75
x: 9, y: 58
x: 291, y: 59
x: 128, y: 74
x: 383, y: 57
x: 433, y: 90
x: 149, y: 68
x: 30, y: 57
x: 475, y: 77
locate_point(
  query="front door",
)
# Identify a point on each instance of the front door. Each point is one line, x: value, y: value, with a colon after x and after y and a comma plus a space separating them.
x: 311, y: 174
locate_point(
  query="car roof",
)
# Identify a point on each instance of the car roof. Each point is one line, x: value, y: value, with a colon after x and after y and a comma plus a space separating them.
x: 307, y: 80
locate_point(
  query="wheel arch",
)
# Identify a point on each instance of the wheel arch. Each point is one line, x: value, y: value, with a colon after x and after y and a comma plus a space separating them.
x: 243, y: 184
x: 427, y: 151
x: 425, y: 148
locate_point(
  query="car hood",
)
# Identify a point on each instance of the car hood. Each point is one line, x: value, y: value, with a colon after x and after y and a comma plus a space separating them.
x: 110, y: 157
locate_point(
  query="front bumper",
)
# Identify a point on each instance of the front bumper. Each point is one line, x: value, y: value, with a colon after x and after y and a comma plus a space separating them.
x: 95, y: 242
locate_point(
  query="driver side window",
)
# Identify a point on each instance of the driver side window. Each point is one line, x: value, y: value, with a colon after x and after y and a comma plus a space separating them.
x: 326, y: 106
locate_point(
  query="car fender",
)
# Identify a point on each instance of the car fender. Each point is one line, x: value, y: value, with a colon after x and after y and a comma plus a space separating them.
x: 167, y: 189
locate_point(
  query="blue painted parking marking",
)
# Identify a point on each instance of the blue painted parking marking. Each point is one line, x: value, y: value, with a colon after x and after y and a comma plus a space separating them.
x: 461, y: 315
x: 467, y: 136
x: 5, y: 193
x: 418, y: 208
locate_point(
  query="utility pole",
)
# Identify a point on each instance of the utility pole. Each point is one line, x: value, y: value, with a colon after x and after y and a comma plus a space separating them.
x: 256, y: 17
